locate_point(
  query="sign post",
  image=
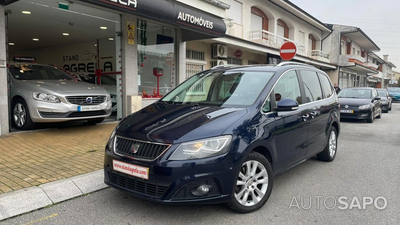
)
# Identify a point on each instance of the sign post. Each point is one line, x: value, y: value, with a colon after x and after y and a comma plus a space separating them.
x: 288, y: 51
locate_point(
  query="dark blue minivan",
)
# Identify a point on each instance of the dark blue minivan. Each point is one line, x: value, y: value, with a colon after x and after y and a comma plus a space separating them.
x: 222, y: 135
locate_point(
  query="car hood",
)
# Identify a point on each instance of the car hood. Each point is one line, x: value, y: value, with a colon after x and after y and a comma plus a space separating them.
x: 166, y: 123
x: 394, y: 93
x: 354, y: 101
x: 64, y: 86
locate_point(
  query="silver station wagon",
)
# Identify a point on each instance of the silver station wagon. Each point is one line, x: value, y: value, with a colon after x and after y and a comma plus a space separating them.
x: 46, y: 94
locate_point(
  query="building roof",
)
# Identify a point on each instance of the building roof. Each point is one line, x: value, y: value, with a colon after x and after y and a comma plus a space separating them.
x: 300, y: 13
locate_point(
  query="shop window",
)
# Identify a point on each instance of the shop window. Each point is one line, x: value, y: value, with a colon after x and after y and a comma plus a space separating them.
x: 234, y: 61
x: 235, y: 11
x: 252, y: 62
x: 196, y: 55
x: 156, y: 58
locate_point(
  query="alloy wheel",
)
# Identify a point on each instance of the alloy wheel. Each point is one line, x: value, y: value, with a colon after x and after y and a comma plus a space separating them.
x: 332, y: 144
x: 252, y: 183
x: 19, y: 114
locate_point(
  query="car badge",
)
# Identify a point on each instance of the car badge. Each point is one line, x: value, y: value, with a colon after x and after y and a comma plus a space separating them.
x: 135, y: 148
x: 346, y: 106
x: 89, y: 100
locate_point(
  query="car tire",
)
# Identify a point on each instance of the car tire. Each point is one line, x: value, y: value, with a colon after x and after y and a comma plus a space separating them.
x: 372, y: 117
x: 21, y: 118
x: 329, y: 153
x: 95, y: 121
x: 252, y: 189
x: 380, y: 114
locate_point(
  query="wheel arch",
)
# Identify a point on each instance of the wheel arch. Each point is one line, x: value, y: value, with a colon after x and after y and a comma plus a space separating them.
x: 263, y: 151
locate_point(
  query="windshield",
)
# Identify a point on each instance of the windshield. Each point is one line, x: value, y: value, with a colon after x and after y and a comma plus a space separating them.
x: 393, y: 89
x: 355, y: 93
x: 220, y: 88
x: 38, y: 72
x: 382, y: 93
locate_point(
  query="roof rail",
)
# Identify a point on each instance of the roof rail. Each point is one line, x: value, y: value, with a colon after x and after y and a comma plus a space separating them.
x: 294, y: 63
x: 226, y: 66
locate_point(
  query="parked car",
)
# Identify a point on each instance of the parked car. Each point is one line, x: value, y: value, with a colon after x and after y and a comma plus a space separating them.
x: 394, y: 93
x: 360, y: 103
x: 107, y: 82
x: 386, y: 100
x: 226, y: 143
x: 46, y: 94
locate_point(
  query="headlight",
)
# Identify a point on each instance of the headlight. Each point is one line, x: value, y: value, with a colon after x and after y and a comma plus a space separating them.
x: 45, y: 97
x: 202, y: 148
x: 111, y: 140
x: 108, y: 97
x: 364, y: 107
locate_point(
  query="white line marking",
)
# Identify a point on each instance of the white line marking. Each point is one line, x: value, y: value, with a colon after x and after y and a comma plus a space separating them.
x: 288, y: 50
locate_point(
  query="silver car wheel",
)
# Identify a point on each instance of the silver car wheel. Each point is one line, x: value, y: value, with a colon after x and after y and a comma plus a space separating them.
x: 332, y: 144
x: 19, y: 114
x: 252, y: 183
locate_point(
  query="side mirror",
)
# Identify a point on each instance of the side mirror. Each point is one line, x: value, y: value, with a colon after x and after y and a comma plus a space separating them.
x: 287, y: 104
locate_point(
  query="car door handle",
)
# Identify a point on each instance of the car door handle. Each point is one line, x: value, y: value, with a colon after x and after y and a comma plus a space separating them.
x: 313, y: 114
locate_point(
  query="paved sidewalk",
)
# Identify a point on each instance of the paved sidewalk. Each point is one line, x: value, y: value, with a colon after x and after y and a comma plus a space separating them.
x: 43, y: 167
x: 29, y: 159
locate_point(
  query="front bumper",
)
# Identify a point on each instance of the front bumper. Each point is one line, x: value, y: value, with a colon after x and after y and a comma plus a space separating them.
x: 171, y: 182
x: 44, y: 112
x: 385, y: 106
x: 356, y: 114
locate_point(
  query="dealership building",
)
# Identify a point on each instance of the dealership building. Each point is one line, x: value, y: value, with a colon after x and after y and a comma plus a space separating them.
x: 141, y: 44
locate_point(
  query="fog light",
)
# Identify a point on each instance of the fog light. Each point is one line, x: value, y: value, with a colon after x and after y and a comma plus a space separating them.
x: 201, y: 190
x: 364, y: 115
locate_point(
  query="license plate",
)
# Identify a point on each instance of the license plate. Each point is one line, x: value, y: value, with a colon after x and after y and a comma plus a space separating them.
x: 130, y: 169
x: 346, y: 111
x: 88, y: 108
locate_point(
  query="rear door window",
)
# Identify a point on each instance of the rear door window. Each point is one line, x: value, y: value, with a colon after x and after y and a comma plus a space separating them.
x: 326, y: 85
x: 311, y: 85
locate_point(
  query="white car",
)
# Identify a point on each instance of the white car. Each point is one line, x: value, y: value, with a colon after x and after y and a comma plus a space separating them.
x: 45, y: 94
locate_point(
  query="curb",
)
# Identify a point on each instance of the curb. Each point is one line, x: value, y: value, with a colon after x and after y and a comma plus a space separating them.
x: 33, y: 198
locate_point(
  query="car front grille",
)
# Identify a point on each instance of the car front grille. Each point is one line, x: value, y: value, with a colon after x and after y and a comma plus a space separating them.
x: 139, y: 150
x: 86, y: 100
x: 152, y: 189
x: 73, y: 114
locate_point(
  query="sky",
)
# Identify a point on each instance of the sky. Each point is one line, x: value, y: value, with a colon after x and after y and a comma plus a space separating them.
x: 380, y: 20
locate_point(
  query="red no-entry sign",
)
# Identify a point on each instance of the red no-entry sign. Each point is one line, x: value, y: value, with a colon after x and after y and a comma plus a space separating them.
x: 288, y: 51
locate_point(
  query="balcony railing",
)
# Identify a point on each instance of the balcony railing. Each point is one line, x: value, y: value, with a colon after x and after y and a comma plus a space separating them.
x: 349, y: 59
x: 272, y: 40
x: 372, y: 65
x: 319, y: 55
